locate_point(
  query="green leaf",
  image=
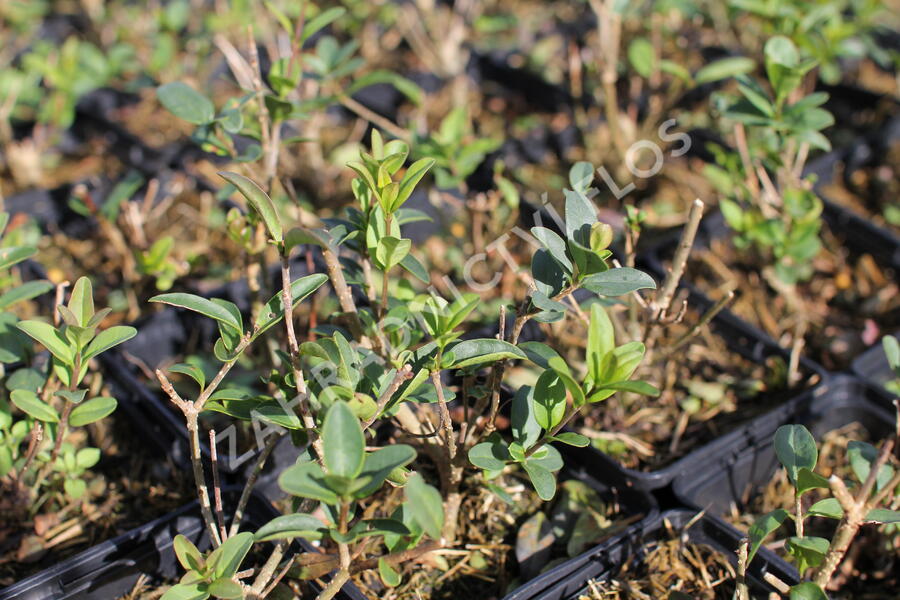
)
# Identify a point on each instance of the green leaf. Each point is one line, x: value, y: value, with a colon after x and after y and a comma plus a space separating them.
x: 555, y: 245
x: 226, y: 589
x: 343, y: 441
x: 379, y: 465
x: 724, y: 68
x: 883, y: 515
x: 571, y: 438
x: 581, y: 175
x: 635, y: 387
x: 618, y: 282
x: 201, y: 305
x: 186, y: 591
x: 187, y: 554
x: 108, y: 338
x: 12, y: 255
x: 259, y: 200
x: 389, y: 576
x: 425, y: 505
x: 81, y: 302
x: 231, y: 554
x: 28, y: 402
x: 301, y: 288
x: 781, y: 50
x: 292, y: 526
x: 192, y: 371
x: 73, y: 396
x: 796, y: 449
x: 891, y: 350
x: 807, y: 591
x: 479, y: 351
x: 808, y: 480
x: 809, y: 551
x: 411, y: 178
x: 416, y: 268
x: 321, y: 20
x: 390, y: 251
x: 26, y: 291
x: 675, y: 69
x: 306, y: 480
x: 186, y: 103
x: 490, y: 456
x: 87, y: 457
x: 642, y: 56
x: 544, y: 356
x: 762, y: 528
x: 601, y: 340
x: 543, y: 480
x: 49, y: 337
x: 549, y: 400
x: 828, y: 507
x: 91, y: 411
x: 862, y: 456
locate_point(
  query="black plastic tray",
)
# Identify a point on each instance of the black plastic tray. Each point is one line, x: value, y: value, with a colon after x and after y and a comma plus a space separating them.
x: 604, y: 561
x: 747, y: 458
x: 111, y: 569
x: 872, y: 366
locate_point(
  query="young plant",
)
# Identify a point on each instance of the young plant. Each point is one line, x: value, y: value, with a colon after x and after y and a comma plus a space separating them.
x: 868, y: 501
x: 50, y: 397
x: 767, y: 203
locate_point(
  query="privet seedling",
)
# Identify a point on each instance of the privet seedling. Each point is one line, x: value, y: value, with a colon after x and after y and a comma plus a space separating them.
x: 865, y: 501
x: 388, y: 359
x: 767, y: 202
x: 49, y: 395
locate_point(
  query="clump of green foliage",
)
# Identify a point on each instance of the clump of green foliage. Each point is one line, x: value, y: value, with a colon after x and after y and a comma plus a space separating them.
x: 773, y: 210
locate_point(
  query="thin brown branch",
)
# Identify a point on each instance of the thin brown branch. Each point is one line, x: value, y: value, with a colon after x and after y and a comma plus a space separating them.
x: 217, y: 488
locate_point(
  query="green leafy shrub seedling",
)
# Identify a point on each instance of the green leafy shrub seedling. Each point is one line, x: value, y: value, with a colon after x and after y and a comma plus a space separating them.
x: 868, y: 501
x: 387, y: 359
x: 36, y: 460
x: 767, y: 203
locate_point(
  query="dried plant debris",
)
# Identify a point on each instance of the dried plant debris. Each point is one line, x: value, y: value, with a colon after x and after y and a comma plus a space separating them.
x: 672, y: 568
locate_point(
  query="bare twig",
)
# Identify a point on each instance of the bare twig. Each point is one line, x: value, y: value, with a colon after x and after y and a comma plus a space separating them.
x: 664, y: 297
x: 191, y: 411
x: 217, y: 488
x: 741, y: 591
x: 251, y: 481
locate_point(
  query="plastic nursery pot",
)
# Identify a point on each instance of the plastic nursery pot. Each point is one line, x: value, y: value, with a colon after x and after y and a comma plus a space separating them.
x: 745, y: 341
x: 606, y: 560
x: 873, y: 367
x: 746, y: 461
x: 112, y: 568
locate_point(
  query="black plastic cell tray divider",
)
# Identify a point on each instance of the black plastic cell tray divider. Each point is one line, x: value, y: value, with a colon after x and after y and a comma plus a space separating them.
x: 747, y: 461
x: 110, y: 569
x: 602, y: 562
